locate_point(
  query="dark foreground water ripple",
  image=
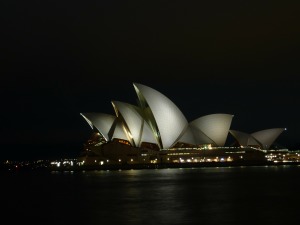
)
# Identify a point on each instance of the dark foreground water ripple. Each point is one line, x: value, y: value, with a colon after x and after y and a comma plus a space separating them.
x: 238, y: 195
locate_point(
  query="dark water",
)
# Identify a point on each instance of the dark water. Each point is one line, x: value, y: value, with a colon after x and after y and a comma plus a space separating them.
x: 241, y: 195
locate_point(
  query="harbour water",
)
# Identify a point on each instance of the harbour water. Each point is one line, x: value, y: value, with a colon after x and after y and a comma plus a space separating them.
x: 214, y: 195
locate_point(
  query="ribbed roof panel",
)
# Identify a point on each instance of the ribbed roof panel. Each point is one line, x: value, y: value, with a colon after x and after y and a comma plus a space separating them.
x: 215, y: 126
x: 169, y: 119
x: 132, y: 119
x: 103, y: 122
x: 268, y: 136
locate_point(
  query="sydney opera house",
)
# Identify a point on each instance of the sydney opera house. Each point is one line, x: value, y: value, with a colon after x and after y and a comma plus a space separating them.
x: 156, y: 131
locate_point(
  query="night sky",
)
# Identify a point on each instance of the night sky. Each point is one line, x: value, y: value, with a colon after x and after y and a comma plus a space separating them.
x: 60, y: 58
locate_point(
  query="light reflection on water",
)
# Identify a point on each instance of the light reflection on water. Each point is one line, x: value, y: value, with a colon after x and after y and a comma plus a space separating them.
x: 237, y: 195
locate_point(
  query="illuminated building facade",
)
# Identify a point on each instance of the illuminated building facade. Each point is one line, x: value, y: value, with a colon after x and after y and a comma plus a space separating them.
x: 156, y: 131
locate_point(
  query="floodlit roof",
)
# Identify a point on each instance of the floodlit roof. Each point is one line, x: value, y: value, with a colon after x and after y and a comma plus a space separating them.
x: 158, y: 120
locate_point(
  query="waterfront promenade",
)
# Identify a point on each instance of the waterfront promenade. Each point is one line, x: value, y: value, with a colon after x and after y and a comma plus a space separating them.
x: 47, y: 166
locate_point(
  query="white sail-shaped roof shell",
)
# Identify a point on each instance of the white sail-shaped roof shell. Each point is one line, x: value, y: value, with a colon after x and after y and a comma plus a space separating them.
x: 169, y: 119
x: 132, y: 119
x: 147, y: 134
x: 138, y: 129
x: 215, y: 126
x: 195, y: 136
x: 87, y: 120
x: 200, y: 137
x: 243, y: 138
x: 188, y: 137
x: 253, y: 141
x: 101, y: 121
x: 119, y: 132
x: 268, y: 136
